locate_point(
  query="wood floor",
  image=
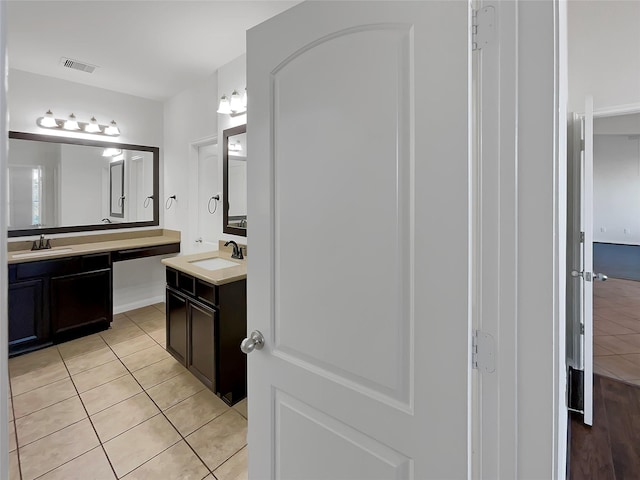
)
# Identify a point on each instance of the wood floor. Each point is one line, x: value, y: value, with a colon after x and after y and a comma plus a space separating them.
x: 611, y: 448
x: 616, y: 329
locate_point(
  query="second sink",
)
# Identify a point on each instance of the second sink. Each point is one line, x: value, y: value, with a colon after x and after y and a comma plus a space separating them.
x: 214, y: 263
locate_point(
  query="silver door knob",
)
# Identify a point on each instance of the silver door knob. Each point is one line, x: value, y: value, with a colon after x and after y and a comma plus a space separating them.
x: 588, y: 276
x: 255, y: 341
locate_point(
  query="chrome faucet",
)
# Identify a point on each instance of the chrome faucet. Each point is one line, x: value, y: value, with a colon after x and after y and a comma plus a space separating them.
x: 237, y: 251
x: 41, y: 245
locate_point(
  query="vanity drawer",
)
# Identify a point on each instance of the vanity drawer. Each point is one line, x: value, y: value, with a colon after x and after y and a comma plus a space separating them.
x: 193, y: 287
x: 206, y: 292
x: 187, y: 284
x: 172, y: 278
x: 97, y: 261
x: 132, y: 253
x: 62, y: 266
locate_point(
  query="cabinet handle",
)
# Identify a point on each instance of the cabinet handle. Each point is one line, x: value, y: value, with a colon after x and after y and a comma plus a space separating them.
x: 254, y: 342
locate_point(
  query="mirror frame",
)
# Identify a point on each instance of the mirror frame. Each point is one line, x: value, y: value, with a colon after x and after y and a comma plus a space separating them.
x: 230, y: 132
x: 98, y: 226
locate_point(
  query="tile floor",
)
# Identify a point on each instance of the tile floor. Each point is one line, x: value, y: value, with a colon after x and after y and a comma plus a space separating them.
x: 616, y: 329
x: 117, y: 405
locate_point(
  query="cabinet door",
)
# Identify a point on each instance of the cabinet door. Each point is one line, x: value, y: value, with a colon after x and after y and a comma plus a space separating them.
x: 27, y: 326
x: 80, y: 301
x: 176, y: 307
x: 202, y: 354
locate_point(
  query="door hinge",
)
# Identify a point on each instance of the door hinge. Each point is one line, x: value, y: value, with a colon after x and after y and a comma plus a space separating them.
x: 483, y: 27
x: 483, y: 352
x: 581, y: 237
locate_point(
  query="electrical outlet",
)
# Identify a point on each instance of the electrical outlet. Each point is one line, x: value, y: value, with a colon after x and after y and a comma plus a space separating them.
x: 603, y: 229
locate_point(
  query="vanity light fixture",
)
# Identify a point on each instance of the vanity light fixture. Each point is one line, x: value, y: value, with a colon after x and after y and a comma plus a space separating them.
x: 72, y: 124
x: 235, y: 106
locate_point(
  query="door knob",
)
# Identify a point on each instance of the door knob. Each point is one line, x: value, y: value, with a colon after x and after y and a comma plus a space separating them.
x: 255, y: 341
x: 588, y: 276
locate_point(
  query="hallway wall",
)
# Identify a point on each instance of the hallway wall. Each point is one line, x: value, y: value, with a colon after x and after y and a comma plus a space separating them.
x: 604, y: 53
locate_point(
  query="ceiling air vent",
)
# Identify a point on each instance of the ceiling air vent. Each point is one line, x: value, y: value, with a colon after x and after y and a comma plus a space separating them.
x: 76, y: 65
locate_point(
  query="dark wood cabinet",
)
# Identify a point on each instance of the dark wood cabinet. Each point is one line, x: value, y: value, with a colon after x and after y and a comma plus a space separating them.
x: 202, y: 354
x: 80, y: 301
x: 51, y: 301
x: 27, y: 330
x: 176, y: 308
x: 55, y: 300
x: 215, y: 317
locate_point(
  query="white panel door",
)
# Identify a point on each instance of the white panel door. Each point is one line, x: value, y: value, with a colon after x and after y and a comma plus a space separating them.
x: 358, y: 276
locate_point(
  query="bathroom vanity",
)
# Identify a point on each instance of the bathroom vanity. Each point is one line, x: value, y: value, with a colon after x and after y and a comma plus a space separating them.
x: 206, y: 305
x: 67, y: 291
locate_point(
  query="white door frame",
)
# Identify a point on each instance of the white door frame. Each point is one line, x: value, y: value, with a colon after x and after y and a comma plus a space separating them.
x: 193, y: 206
x: 521, y: 236
x: 4, y: 286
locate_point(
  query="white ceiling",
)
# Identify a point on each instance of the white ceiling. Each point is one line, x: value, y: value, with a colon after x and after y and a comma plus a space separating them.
x: 152, y: 49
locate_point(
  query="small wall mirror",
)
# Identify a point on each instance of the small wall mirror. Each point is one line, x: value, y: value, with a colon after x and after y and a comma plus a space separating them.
x: 116, y: 192
x: 234, y: 160
x: 59, y: 184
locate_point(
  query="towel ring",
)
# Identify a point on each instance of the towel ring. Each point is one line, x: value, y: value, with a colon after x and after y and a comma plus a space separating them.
x: 147, y: 201
x: 217, y: 199
x: 169, y: 202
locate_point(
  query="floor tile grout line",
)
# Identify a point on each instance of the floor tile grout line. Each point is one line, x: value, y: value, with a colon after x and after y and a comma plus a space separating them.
x: 145, y: 390
x: 77, y: 395
x: 96, y: 433
x: 182, y: 437
x: 180, y: 433
x: 15, y: 431
x: 94, y: 429
x: 51, y: 433
x: 40, y: 386
x: 228, y: 459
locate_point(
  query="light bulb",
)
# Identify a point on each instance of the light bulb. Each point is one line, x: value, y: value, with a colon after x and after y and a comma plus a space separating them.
x: 236, y: 102
x: 72, y: 123
x: 224, y: 106
x: 92, y: 126
x: 48, y: 120
x: 111, y: 152
x: 112, y: 129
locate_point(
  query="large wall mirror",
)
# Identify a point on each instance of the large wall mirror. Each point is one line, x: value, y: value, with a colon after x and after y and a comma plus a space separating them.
x: 234, y: 166
x: 58, y: 185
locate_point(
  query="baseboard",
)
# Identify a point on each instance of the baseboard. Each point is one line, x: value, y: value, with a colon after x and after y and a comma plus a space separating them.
x: 137, y: 304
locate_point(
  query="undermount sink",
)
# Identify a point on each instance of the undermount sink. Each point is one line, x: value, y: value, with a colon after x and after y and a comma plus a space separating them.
x: 42, y: 253
x: 214, y: 263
